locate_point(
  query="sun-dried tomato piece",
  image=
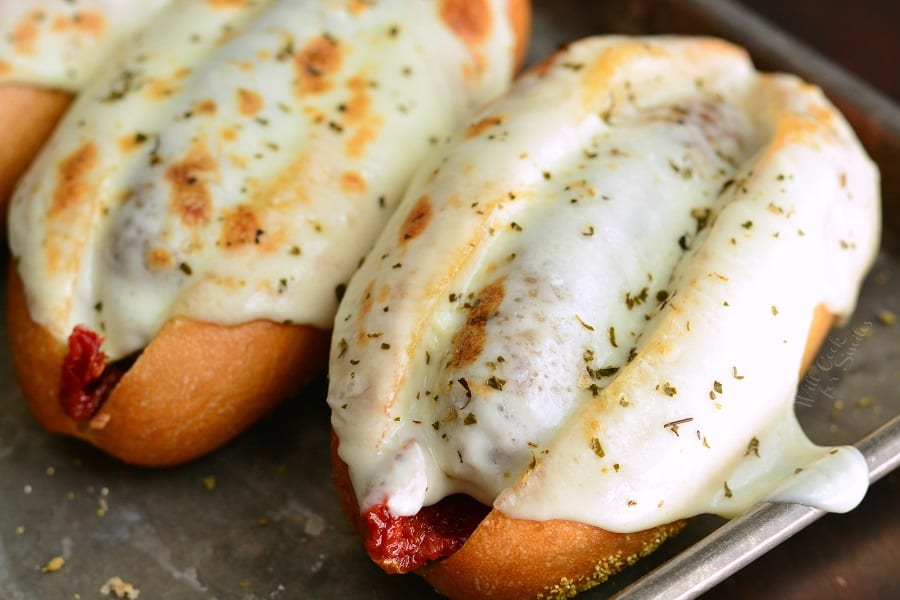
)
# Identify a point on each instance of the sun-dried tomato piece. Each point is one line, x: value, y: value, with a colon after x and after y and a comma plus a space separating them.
x: 403, y: 544
x: 86, y: 381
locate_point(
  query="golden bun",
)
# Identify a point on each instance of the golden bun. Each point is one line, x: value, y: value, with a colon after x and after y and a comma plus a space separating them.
x: 28, y: 115
x: 519, y: 15
x: 193, y: 388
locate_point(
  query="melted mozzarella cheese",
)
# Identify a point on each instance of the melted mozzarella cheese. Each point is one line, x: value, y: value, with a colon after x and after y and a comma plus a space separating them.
x: 62, y: 44
x: 237, y: 160
x: 593, y: 306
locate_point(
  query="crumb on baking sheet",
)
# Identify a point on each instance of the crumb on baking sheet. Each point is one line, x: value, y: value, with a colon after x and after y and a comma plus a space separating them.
x: 53, y: 565
x: 864, y: 402
x: 120, y: 589
x: 100, y: 421
x: 209, y: 482
x: 837, y: 407
x: 887, y: 317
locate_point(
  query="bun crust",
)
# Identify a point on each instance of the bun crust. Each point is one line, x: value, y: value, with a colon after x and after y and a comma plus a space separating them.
x: 515, y: 558
x: 194, y: 387
x: 27, y: 118
x: 507, y: 558
x: 519, y: 15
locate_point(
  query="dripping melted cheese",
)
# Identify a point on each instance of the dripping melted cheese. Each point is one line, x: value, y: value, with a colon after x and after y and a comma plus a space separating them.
x: 593, y: 305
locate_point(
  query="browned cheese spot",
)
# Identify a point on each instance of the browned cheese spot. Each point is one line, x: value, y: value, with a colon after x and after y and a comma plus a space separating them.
x: 61, y: 23
x: 821, y: 114
x: 360, y: 101
x: 239, y: 160
x: 125, y: 195
x: 191, y: 199
x: 360, y: 139
x: 5, y: 67
x: 241, y: 227
x: 367, y: 303
x: 206, y: 107
x: 793, y: 129
x: 469, y: 341
x: 229, y: 134
x: 127, y: 143
x: 73, y: 181
x: 314, y: 114
x: 469, y: 19
x: 88, y: 22
x: 249, y: 102
x: 353, y: 183
x: 359, y: 6
x: 68, y: 217
x: 161, y: 87
x: 320, y: 58
x: 417, y: 219
x: 286, y: 188
x: 25, y: 35
x: 476, y: 129
x: 358, y: 115
x: 159, y: 259
x: 91, y: 22
x: 227, y: 4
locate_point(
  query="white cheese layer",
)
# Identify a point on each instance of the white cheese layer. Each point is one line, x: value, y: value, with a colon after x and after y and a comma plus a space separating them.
x: 237, y: 160
x: 593, y: 306
x: 62, y: 43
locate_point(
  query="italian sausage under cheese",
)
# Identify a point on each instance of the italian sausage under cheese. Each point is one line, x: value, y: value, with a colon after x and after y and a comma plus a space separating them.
x: 180, y: 243
x: 585, y: 322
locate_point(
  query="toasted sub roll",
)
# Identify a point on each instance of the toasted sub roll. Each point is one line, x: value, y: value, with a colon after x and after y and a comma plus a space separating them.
x: 585, y: 322
x: 27, y: 118
x: 180, y: 244
x: 159, y: 412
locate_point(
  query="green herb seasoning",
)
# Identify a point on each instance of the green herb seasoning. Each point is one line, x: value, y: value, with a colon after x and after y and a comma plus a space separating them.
x: 753, y: 447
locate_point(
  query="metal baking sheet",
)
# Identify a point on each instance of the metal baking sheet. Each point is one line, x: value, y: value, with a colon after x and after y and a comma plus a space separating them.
x: 258, y: 519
